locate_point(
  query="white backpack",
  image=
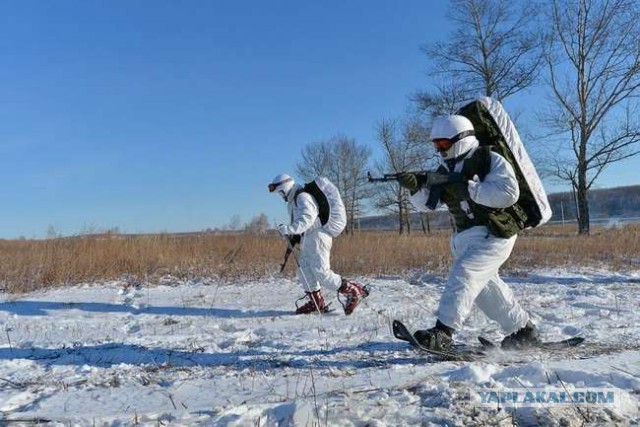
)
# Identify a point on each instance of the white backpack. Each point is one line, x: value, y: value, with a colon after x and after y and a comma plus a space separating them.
x: 332, y: 213
x: 493, y: 126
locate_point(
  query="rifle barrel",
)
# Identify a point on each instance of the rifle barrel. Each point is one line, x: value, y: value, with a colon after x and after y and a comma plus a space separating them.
x: 429, y: 177
x: 386, y: 177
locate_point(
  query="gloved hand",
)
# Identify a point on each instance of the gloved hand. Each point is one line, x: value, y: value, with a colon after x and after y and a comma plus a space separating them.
x: 283, y: 229
x: 409, y: 181
x: 474, y: 187
x: 294, y: 239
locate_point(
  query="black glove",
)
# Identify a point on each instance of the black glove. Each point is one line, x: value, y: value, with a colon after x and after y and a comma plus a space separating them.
x: 409, y: 181
x: 294, y: 239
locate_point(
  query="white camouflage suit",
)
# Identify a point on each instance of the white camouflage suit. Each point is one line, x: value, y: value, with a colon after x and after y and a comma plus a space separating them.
x: 478, y: 255
x: 315, y: 247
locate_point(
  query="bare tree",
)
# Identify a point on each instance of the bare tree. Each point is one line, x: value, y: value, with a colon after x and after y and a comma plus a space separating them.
x: 234, y: 223
x: 317, y: 160
x: 594, y: 75
x: 258, y: 225
x: 494, y: 50
x: 445, y: 99
x: 405, y: 149
x: 343, y: 161
x: 51, y: 232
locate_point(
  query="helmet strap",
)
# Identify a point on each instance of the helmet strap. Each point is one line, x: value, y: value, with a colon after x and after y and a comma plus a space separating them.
x: 461, y: 135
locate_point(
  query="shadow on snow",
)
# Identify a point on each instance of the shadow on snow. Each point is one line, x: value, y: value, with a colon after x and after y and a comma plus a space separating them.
x: 372, y: 354
x: 41, y: 308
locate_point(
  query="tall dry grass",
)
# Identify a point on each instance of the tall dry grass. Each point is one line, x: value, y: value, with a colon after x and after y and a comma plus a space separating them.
x: 31, y: 265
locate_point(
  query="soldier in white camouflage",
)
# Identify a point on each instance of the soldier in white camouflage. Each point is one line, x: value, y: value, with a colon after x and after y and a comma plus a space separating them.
x: 314, y: 270
x: 485, y: 184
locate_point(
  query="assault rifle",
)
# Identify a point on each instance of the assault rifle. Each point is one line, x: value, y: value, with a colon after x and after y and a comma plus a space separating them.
x: 428, y: 178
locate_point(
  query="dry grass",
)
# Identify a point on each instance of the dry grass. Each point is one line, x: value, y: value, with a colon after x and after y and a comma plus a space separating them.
x: 555, y: 246
x: 30, y: 265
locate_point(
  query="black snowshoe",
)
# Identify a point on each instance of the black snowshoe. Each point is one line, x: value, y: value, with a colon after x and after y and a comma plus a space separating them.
x: 438, y: 338
x: 526, y: 337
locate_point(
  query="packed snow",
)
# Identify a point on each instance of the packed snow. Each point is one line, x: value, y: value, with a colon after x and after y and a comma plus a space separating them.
x: 213, y: 353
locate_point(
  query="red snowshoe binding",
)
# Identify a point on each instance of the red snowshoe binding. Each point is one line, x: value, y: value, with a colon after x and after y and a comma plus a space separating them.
x: 315, y: 304
x: 354, y: 293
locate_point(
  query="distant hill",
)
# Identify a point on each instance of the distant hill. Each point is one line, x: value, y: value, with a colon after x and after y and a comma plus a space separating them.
x: 436, y: 220
x: 619, y: 203
x: 604, y: 204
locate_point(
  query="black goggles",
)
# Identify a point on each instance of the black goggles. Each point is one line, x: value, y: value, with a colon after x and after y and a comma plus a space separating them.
x: 274, y: 185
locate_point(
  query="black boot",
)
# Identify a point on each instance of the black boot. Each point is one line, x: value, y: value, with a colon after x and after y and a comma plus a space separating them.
x: 438, y: 338
x: 522, y: 338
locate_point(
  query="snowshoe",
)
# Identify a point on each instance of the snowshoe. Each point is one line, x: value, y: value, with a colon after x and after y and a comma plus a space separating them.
x: 315, y: 304
x: 544, y: 345
x: 454, y: 352
x: 354, y: 293
x: 437, y: 338
x: 525, y: 337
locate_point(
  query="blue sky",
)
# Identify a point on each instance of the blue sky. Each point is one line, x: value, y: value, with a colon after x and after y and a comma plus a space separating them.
x: 174, y: 115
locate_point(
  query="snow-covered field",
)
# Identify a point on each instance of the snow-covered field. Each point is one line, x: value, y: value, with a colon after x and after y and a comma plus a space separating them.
x: 232, y: 354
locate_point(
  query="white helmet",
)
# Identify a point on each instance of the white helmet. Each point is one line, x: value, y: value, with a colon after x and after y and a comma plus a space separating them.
x: 458, y: 130
x: 282, y: 184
